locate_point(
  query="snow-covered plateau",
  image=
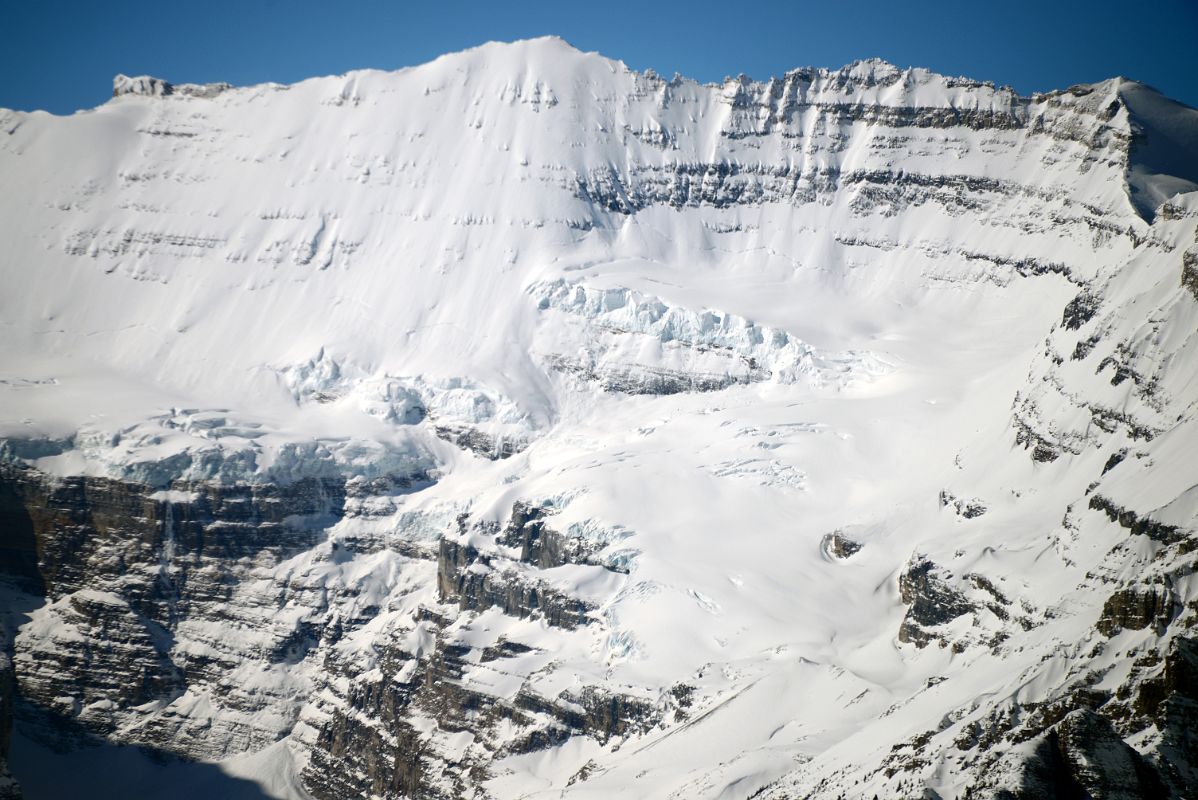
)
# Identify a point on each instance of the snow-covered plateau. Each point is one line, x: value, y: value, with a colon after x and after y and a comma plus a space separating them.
x: 520, y: 425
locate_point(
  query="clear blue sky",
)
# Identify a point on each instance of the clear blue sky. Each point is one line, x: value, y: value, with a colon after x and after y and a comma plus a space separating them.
x: 61, y: 56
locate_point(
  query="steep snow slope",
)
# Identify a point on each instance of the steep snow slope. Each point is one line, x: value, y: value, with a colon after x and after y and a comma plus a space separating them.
x: 519, y: 424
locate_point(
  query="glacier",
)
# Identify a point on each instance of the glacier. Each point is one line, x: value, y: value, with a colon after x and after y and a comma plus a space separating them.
x: 523, y: 425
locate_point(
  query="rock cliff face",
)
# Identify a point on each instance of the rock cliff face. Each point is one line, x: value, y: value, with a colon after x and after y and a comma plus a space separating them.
x: 139, y: 588
x: 520, y: 423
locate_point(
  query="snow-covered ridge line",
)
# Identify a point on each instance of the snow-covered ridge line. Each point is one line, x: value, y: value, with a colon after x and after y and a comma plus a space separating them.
x: 1139, y: 126
x: 148, y: 86
x: 870, y: 81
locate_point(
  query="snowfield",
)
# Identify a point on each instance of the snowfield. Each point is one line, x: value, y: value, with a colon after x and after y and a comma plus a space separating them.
x: 816, y: 437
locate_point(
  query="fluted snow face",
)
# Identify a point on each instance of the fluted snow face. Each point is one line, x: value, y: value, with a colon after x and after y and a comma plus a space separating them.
x: 621, y: 356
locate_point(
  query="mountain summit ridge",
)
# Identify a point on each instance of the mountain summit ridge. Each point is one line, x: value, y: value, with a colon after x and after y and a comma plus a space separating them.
x: 550, y: 46
x: 1151, y: 181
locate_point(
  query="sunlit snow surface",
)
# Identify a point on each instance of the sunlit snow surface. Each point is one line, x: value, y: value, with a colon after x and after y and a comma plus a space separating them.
x: 281, y: 281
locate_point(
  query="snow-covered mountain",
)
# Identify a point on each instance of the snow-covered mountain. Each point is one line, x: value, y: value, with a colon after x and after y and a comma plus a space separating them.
x: 521, y: 425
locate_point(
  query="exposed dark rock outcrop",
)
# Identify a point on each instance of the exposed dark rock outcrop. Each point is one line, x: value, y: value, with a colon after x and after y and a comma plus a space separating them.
x: 368, y: 747
x: 1138, y: 525
x: 157, y: 87
x: 1083, y: 757
x: 90, y: 531
x: 1080, y: 310
x: 480, y: 443
x: 121, y: 565
x: 1045, y: 449
x: 641, y: 379
x: 1169, y: 699
x: 102, y: 659
x: 540, y: 545
x: 1189, y: 272
x: 466, y: 576
x: 837, y: 545
x: 1115, y: 460
x: 930, y: 601
x: 544, y: 547
x: 968, y: 508
x: 10, y: 789
x: 1136, y: 608
x: 725, y: 184
x: 18, y: 545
